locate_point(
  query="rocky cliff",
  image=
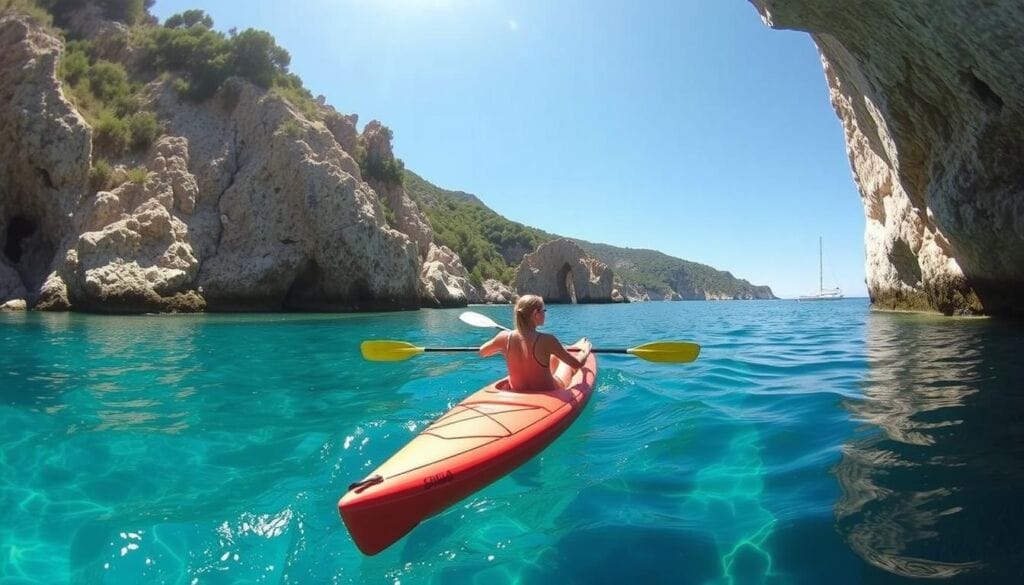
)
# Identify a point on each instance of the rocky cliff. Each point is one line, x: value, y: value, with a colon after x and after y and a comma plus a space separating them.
x: 45, y: 149
x: 931, y: 99
x: 239, y: 197
x: 243, y: 203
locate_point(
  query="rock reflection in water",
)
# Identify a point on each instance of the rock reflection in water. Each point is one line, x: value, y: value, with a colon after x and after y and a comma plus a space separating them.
x: 929, y: 484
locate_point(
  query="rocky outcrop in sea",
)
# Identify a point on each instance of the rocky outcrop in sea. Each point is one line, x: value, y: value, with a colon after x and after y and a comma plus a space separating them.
x: 561, y: 272
x: 496, y: 292
x: 445, y: 280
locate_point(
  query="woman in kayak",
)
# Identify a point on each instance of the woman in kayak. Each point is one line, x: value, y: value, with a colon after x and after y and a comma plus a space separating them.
x: 529, y: 353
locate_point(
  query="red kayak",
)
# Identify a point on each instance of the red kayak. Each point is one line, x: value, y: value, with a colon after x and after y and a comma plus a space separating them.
x: 484, y: 437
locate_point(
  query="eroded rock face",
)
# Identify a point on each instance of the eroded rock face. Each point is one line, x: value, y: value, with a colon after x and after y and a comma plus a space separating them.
x: 131, y: 251
x: 14, y: 305
x: 10, y: 283
x: 247, y: 206
x: 45, y: 148
x: 243, y: 204
x: 297, y: 227
x: 343, y: 128
x: 684, y: 289
x: 634, y: 293
x: 110, y: 39
x: 931, y: 98
x: 497, y: 293
x: 445, y: 279
x: 561, y: 272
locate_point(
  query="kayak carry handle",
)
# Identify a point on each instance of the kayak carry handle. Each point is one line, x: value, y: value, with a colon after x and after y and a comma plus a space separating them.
x: 362, y: 485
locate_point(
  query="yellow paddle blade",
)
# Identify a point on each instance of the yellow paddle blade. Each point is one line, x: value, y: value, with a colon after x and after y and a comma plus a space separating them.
x: 383, y: 350
x: 675, y: 352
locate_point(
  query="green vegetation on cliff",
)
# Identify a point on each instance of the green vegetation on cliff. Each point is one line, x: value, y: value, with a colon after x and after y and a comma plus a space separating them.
x: 387, y: 170
x: 662, y: 274
x: 489, y: 245
x: 29, y: 8
x: 186, y: 48
x: 186, y: 45
x: 492, y: 246
x: 204, y: 58
x: 127, y: 11
x: 108, y: 99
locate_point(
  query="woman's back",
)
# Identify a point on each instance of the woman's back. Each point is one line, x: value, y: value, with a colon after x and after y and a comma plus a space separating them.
x: 529, y: 366
x: 532, y: 357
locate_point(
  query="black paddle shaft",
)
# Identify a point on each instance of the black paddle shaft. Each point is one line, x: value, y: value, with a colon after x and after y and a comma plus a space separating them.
x: 595, y: 350
x: 465, y: 349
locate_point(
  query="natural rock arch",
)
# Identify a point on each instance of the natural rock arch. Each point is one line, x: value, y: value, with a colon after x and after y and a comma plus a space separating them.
x: 561, y: 272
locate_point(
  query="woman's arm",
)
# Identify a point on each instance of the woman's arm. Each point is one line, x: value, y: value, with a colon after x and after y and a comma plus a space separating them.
x: 552, y: 345
x: 496, y: 345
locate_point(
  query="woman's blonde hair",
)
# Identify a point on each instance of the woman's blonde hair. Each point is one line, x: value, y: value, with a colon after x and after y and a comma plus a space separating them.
x: 525, y: 307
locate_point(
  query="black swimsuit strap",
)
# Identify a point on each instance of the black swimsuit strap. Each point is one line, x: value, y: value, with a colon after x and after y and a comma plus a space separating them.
x: 533, y: 352
x: 533, y: 349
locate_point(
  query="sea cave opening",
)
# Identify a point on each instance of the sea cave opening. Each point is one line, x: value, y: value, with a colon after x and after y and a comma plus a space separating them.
x: 566, y: 285
x: 18, y: 228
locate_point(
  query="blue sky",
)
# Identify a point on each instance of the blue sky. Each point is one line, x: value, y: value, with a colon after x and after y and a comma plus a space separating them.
x: 685, y: 126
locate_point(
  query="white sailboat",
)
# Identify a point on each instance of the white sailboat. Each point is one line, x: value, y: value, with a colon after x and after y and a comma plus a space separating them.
x: 823, y: 294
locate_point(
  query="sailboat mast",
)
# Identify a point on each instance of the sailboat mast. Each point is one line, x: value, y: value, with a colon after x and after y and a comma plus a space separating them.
x: 821, y: 281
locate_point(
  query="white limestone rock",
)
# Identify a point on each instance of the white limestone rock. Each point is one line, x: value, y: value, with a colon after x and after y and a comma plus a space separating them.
x: 445, y: 280
x: 298, y: 228
x: 561, y: 272
x: 497, y: 293
x: 14, y: 305
x: 931, y: 99
x: 247, y: 204
x: 408, y: 219
x: 133, y: 252
x: 45, y: 149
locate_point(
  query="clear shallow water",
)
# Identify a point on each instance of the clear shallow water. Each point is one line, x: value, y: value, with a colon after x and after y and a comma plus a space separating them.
x: 810, y: 443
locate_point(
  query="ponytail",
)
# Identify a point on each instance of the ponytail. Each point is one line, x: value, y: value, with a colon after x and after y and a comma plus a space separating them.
x: 525, y: 307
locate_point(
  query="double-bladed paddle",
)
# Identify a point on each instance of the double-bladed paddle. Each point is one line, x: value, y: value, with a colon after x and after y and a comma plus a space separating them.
x: 673, y: 352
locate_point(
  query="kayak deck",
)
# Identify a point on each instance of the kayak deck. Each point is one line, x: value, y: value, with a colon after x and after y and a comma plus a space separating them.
x: 478, y: 441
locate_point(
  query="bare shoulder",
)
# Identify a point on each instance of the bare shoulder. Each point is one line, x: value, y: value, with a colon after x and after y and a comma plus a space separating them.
x: 498, y: 341
x: 548, y: 341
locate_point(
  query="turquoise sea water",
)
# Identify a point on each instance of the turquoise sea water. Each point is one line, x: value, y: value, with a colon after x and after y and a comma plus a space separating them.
x: 810, y: 443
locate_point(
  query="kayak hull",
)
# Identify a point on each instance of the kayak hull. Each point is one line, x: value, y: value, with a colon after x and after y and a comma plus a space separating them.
x: 481, y: 439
